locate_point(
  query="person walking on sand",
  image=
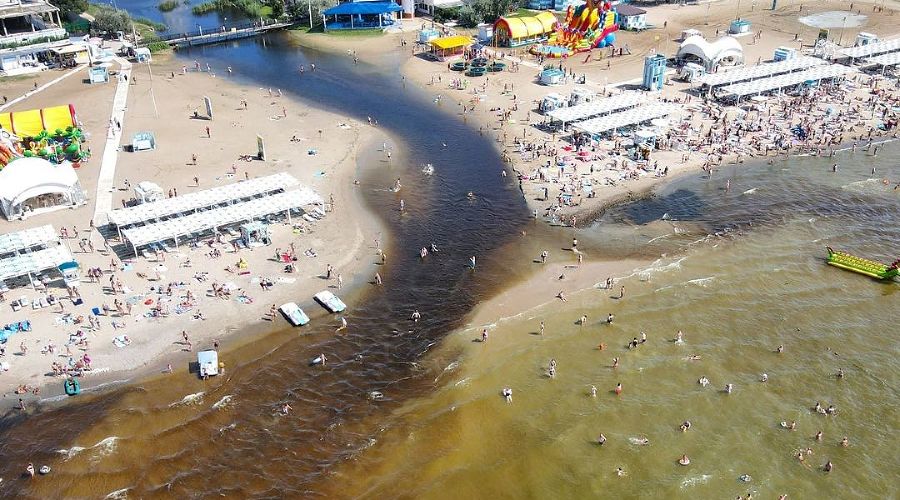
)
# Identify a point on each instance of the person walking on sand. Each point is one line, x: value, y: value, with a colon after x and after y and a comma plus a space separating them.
x: 343, y: 324
x: 340, y: 281
x: 542, y: 329
x: 622, y: 292
x: 484, y: 335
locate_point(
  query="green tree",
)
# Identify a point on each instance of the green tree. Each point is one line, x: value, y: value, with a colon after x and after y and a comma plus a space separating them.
x: 494, y: 9
x: 468, y: 16
x: 111, y: 21
x: 70, y: 8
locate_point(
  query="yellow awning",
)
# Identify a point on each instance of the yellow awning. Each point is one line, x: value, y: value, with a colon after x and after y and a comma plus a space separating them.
x: 529, y: 27
x: 517, y: 27
x: 534, y: 26
x: 451, y: 42
x: 547, y: 19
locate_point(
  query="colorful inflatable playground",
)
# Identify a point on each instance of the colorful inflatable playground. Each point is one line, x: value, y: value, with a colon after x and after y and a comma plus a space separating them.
x: 49, y: 133
x: 589, y: 26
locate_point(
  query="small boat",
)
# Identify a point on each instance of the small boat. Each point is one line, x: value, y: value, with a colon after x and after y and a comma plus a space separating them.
x: 294, y: 314
x: 72, y: 386
x: 330, y: 301
x: 859, y: 265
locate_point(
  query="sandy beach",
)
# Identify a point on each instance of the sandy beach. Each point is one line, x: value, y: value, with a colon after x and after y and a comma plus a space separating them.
x: 505, y: 106
x: 319, y: 149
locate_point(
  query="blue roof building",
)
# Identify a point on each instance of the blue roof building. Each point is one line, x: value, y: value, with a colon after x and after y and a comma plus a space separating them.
x: 360, y: 15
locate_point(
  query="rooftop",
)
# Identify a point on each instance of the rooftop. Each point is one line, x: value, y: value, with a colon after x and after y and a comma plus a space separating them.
x: 24, y: 7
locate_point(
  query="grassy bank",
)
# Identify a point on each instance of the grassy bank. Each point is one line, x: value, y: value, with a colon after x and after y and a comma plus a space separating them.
x: 168, y: 5
x: 251, y: 8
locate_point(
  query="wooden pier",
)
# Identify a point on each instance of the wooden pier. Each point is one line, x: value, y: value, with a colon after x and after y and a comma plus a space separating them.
x: 223, y: 34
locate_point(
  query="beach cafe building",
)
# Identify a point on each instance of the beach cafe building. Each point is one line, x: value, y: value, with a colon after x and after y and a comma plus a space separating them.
x: 360, y: 15
x: 449, y: 46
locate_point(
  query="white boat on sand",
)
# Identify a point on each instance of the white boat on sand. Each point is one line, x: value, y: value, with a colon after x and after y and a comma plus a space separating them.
x: 294, y: 314
x: 330, y: 301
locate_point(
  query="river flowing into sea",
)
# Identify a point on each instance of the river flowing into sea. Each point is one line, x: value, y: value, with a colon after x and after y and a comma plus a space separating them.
x: 741, y: 273
x: 440, y: 427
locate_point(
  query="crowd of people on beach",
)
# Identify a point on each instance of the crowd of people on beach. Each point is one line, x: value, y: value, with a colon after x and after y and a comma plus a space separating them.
x: 563, y: 170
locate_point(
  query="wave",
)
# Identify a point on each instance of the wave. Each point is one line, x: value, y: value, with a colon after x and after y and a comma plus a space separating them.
x: 701, y: 281
x: 118, y: 494
x: 71, y: 452
x: 222, y: 402
x: 692, y: 481
x: 228, y: 427
x: 189, y: 399
x: 750, y: 191
x: 105, y: 446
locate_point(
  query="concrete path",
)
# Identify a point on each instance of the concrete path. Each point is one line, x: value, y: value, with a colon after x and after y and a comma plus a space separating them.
x: 105, y: 180
x: 42, y: 87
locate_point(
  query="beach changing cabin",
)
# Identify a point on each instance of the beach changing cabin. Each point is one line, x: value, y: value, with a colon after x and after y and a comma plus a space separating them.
x: 143, y: 141
x: 518, y: 31
x: 255, y: 234
x: 147, y: 191
x: 98, y: 74
x: 208, y: 362
x: 360, y: 15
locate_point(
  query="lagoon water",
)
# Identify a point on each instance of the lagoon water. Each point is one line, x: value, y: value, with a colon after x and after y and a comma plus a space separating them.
x: 442, y: 430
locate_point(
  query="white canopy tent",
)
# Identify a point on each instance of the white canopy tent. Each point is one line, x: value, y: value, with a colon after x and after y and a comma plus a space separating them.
x: 815, y: 74
x: 759, y: 71
x: 627, y: 118
x: 891, y: 59
x: 213, y: 219
x: 872, y: 49
x: 27, y: 264
x: 710, y: 55
x: 34, y: 184
x: 191, y: 202
x: 27, y: 239
x: 598, y: 107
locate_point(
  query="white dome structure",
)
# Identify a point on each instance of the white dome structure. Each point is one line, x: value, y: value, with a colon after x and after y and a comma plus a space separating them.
x: 724, y: 51
x: 34, y: 185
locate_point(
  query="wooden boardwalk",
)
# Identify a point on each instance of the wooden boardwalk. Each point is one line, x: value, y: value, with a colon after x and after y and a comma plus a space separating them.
x: 223, y: 34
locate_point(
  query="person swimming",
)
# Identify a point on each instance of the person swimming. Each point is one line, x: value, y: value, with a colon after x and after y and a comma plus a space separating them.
x: 507, y: 394
x: 703, y: 381
x: 593, y: 391
x: 764, y: 377
x: 685, y: 426
x: 679, y: 339
x: 684, y: 460
x: 728, y: 388
x: 618, y: 389
x: 601, y: 440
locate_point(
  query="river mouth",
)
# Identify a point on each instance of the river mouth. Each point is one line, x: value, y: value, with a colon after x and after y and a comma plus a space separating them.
x: 143, y: 438
x: 178, y: 440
